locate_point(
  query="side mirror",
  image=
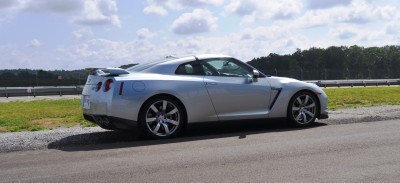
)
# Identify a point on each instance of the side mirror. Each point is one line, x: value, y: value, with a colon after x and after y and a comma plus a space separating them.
x: 256, y: 74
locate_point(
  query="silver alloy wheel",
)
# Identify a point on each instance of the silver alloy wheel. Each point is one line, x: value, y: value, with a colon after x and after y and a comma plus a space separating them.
x: 304, y: 109
x: 163, y: 118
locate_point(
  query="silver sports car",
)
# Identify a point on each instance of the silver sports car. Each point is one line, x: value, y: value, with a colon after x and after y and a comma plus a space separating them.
x: 162, y: 98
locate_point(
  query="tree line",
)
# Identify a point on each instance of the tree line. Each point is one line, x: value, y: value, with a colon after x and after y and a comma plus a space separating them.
x: 342, y: 62
x: 335, y: 62
x: 27, y: 77
x: 31, y: 78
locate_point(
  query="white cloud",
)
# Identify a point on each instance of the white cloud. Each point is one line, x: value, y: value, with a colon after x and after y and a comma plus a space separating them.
x: 181, y: 4
x: 241, y: 8
x: 12, y: 4
x: 273, y: 27
x: 358, y: 12
x: 173, y: 5
x: 252, y: 10
x: 322, y: 4
x: 393, y: 28
x: 144, y: 33
x: 344, y: 32
x: 82, y: 33
x: 200, y: 20
x: 8, y: 9
x: 386, y: 12
x: 15, y: 57
x: 90, y: 12
x: 34, y: 43
x: 376, y: 37
x: 245, y: 45
x: 197, y: 3
x: 108, y: 53
x: 54, y: 6
x: 7, y: 4
x: 101, y: 52
x: 98, y: 12
x: 155, y: 9
x: 9, y: 57
x: 270, y: 39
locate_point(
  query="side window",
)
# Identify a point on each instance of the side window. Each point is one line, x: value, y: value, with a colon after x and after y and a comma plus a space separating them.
x: 229, y: 67
x: 191, y: 68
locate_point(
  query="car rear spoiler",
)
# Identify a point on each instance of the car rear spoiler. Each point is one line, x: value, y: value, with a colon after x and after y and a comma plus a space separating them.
x: 106, y: 71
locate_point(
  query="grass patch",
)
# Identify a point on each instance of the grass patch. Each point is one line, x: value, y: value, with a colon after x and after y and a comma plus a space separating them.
x: 360, y: 97
x: 49, y: 114
x: 40, y: 115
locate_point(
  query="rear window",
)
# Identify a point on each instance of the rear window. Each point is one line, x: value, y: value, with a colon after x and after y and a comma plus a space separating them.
x: 144, y: 66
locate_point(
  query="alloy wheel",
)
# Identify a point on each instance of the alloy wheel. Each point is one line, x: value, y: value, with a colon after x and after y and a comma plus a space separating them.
x: 163, y: 118
x: 304, y: 109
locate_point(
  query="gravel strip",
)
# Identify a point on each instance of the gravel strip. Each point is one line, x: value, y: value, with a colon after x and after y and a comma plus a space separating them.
x: 66, y: 137
x: 32, y: 98
x: 363, y: 114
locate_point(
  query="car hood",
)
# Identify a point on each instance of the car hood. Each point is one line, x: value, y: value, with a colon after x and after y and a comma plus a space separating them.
x: 284, y: 82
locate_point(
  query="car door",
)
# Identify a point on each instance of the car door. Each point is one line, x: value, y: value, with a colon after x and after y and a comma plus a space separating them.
x: 232, y: 90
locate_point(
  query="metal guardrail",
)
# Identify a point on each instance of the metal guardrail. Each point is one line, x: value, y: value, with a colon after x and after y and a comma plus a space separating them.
x: 40, y: 91
x: 77, y: 90
x: 356, y: 82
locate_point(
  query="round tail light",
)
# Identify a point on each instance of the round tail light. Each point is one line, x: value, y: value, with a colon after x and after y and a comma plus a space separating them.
x: 109, y: 83
x: 98, y: 86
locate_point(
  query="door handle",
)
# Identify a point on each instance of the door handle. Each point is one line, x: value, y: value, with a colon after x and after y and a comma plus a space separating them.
x: 211, y: 83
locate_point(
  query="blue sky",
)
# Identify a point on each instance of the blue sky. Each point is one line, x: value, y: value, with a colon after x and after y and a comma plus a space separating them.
x: 74, y: 34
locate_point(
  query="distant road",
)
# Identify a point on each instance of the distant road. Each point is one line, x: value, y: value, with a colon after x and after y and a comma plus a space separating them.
x: 77, y: 90
x: 31, y: 98
x: 360, y: 152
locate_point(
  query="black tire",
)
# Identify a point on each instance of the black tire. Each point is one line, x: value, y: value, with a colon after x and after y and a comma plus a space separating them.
x: 162, y: 117
x: 302, y: 109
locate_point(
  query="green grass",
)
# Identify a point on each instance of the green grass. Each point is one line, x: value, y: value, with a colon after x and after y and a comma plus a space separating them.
x: 359, y: 97
x: 40, y: 115
x: 49, y: 114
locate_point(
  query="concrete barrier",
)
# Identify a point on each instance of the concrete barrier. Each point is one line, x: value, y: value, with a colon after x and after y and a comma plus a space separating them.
x: 77, y: 90
x: 357, y: 82
x: 40, y: 91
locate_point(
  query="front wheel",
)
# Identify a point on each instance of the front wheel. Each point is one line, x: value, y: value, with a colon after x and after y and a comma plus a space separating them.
x: 302, y: 109
x: 162, y: 117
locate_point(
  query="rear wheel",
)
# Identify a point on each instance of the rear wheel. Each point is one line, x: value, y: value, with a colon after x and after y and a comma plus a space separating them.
x: 302, y: 109
x: 162, y: 117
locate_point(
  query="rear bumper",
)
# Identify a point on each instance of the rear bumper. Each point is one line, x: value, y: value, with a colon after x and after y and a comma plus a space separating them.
x: 110, y: 122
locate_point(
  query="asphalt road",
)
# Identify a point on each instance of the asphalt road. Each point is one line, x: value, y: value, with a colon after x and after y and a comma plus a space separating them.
x: 360, y: 152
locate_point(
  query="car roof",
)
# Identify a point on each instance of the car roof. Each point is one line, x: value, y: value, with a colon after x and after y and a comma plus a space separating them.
x: 170, y: 63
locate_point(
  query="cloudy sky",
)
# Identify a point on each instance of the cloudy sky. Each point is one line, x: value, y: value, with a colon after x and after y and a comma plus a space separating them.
x: 74, y: 34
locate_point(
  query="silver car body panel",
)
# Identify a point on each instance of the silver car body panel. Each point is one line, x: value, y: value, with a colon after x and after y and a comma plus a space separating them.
x: 205, y: 98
